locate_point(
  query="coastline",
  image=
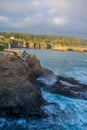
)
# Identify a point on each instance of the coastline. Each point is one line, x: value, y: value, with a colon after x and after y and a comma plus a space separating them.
x: 67, y: 48
x: 21, y: 82
x: 56, y: 43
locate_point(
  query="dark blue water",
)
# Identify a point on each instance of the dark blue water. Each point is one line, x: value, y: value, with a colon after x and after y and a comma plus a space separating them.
x: 67, y: 113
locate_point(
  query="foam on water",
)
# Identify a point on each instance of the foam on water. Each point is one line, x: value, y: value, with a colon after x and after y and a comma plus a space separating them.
x: 68, y: 113
x: 49, y: 80
x: 71, y: 64
x: 72, y: 111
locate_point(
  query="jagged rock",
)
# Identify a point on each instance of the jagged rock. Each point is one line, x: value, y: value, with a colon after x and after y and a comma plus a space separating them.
x: 43, y: 45
x: 18, y: 95
x: 31, y: 44
x: 48, y: 78
x: 37, y: 45
x: 21, y: 82
x: 68, y: 87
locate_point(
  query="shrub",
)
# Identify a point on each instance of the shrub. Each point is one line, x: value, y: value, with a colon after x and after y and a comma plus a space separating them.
x: 13, y: 58
x: 1, y: 47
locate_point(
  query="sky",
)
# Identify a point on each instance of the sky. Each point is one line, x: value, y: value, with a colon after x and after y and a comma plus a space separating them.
x: 55, y: 17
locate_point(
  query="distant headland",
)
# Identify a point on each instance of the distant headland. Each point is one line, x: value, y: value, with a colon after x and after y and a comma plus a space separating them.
x: 39, y: 41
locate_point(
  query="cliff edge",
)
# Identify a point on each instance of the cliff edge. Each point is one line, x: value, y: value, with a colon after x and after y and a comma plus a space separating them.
x: 18, y: 96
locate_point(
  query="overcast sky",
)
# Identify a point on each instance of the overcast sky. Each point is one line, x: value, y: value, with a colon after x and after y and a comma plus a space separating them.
x: 58, y: 17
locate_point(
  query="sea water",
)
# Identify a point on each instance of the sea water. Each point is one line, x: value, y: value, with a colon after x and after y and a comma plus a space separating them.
x: 69, y: 64
x: 64, y: 113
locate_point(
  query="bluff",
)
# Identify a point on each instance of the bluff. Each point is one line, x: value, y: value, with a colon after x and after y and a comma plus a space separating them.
x: 18, y: 95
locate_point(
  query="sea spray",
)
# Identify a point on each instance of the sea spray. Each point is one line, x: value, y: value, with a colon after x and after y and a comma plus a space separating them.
x: 48, y: 80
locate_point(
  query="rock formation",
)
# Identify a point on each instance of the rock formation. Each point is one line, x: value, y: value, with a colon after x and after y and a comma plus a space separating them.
x: 18, y: 96
x: 21, y: 83
x: 68, y: 87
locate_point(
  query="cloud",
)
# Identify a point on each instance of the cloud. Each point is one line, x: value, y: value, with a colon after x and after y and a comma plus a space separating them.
x: 60, y: 21
x: 19, y: 7
x: 3, y: 19
x: 44, y: 16
x: 67, y: 7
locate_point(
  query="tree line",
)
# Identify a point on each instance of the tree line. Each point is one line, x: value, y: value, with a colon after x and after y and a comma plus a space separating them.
x: 39, y: 39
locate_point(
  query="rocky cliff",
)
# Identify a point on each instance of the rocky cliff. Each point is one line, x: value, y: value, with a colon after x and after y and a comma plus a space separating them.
x: 31, y: 45
x: 21, y: 83
x: 18, y: 96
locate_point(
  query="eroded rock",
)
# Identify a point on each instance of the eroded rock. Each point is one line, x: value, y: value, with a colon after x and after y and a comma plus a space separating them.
x: 68, y: 87
x: 18, y: 96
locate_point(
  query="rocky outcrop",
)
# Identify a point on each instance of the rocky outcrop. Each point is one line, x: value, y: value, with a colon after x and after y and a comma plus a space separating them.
x: 18, y: 95
x: 68, y: 48
x: 31, y: 45
x: 68, y: 87
x: 43, y: 45
x: 59, y: 48
x: 39, y: 45
x: 21, y: 83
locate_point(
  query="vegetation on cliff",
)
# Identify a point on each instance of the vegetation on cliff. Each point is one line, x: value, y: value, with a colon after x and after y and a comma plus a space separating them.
x: 34, y: 41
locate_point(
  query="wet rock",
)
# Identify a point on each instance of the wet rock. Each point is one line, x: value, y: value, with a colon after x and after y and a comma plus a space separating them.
x: 69, y: 87
x: 47, y: 78
x: 62, y: 85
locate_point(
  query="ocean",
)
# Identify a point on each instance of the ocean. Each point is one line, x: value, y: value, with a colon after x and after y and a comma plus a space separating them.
x: 65, y: 113
x: 69, y: 64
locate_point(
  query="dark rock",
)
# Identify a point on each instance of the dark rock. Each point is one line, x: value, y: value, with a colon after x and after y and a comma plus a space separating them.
x: 19, y: 96
x: 21, y: 100
x: 47, y: 78
x: 21, y: 82
x: 69, y: 87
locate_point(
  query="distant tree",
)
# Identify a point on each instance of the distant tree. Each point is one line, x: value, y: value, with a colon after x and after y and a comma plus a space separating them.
x: 7, y: 35
x: 50, y: 40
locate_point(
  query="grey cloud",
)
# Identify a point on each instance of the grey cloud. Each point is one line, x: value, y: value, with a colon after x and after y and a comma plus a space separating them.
x: 68, y: 7
x: 44, y: 16
x: 19, y: 7
x: 3, y: 19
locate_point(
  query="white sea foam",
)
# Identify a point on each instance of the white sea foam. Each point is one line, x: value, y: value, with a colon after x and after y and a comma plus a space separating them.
x: 49, y: 80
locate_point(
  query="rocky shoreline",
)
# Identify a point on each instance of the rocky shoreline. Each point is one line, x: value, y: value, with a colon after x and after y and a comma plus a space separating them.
x: 44, y: 46
x: 21, y: 83
x: 18, y: 96
x: 67, y: 48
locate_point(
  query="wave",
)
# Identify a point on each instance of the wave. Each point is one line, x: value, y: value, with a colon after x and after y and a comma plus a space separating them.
x: 48, y: 80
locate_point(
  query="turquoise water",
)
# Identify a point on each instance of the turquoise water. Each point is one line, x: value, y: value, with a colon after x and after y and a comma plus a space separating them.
x: 67, y: 113
x: 70, y: 64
